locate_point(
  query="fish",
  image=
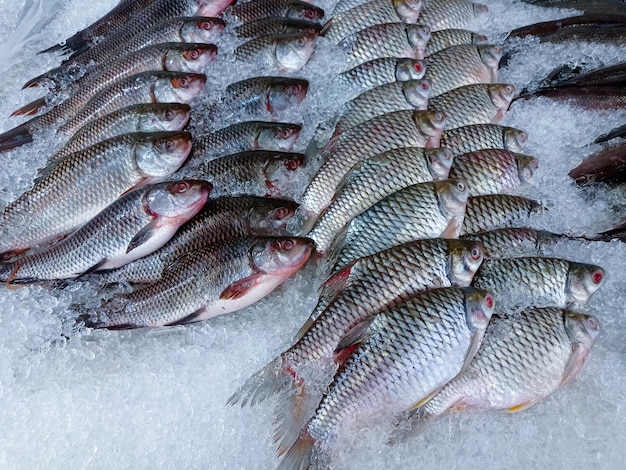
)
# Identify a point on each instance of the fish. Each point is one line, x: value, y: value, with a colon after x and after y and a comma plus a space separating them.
x: 522, y: 359
x: 483, y: 136
x: 386, y: 40
x: 152, y: 117
x: 242, y: 272
x: 378, y: 72
x: 135, y: 225
x: 286, y: 52
x: 403, y: 357
x: 369, y: 14
x: 255, y: 172
x: 395, y: 96
x: 494, y: 171
x: 204, y: 30
x: 260, y: 9
x: 361, y: 290
x: 539, y: 281
x: 378, y: 135
x: 423, y: 210
x: 446, y: 14
x: 371, y: 180
x: 474, y: 104
x: 440, y: 40
x: 619, y: 131
x: 606, y: 97
x: 222, y: 218
x: 277, y: 25
x: 492, y: 211
x: 244, y: 136
x: 272, y: 95
x: 605, y: 166
x: 515, y: 241
x: 70, y: 192
x: 589, y: 28
x: 461, y: 65
x: 601, y: 7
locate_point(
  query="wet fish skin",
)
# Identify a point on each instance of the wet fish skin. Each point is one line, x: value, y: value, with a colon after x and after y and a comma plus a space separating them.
x: 69, y: 193
x: 514, y: 241
x: 371, y: 180
x: 461, y: 65
x: 539, y: 281
x: 256, y: 172
x: 594, y: 97
x: 378, y: 72
x: 135, y: 225
x: 494, y: 171
x: 277, y: 25
x: 266, y: 94
x: 606, y: 166
x: 592, y: 28
x: 260, y: 9
x: 440, y: 40
x: 285, y: 52
x: 483, y: 136
x: 496, y: 210
x: 244, y: 271
x: 223, y: 218
x: 446, y: 14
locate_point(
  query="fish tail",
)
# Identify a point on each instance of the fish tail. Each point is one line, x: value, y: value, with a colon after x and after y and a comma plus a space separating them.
x: 265, y: 383
x: 17, y: 136
x: 298, y: 457
x: 410, y: 426
x: 72, y: 44
x: 30, y: 108
x: 39, y: 79
x: 290, y: 419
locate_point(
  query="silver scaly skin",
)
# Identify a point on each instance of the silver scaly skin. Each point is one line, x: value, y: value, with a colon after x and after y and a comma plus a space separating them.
x: 70, y: 192
x: 424, y: 210
x: 260, y: 9
x: 539, y: 281
x: 522, y: 241
x: 474, y: 104
x: 372, y: 180
x: 494, y: 171
x: 483, y: 136
x: 378, y: 72
x: 386, y: 40
x: 264, y: 95
x: 277, y: 25
x: 405, y: 355
x: 496, y: 211
x: 135, y: 225
x: 440, y: 40
x: 446, y: 14
x: 287, y: 52
x: 461, y: 65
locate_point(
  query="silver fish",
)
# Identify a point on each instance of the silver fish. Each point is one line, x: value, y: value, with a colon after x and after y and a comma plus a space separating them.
x: 378, y: 72
x: 496, y: 210
x: 276, y: 25
x: 272, y: 95
x: 440, y: 40
x: 446, y: 14
x: 259, y: 9
x: 285, y: 52
x: 483, y: 136
x: 521, y: 241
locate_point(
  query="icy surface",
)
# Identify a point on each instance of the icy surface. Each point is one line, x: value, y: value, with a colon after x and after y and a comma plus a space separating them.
x: 155, y: 398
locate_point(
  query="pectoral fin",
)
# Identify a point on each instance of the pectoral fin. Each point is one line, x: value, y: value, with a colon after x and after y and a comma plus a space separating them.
x: 240, y: 288
x: 355, y: 335
x: 143, y: 236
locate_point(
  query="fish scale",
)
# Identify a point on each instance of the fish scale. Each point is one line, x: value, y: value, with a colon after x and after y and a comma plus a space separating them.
x: 483, y: 136
x: 264, y: 95
x: 519, y: 241
x: 440, y: 40
x: 277, y: 25
x: 495, y: 211
x: 447, y: 14
x: 259, y: 9
x: 277, y: 51
x: 381, y: 71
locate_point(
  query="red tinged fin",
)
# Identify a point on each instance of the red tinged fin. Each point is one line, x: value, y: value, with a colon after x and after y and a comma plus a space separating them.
x: 342, y: 356
x: 240, y: 288
x: 16, y: 137
x: 30, y: 108
x: 299, y: 456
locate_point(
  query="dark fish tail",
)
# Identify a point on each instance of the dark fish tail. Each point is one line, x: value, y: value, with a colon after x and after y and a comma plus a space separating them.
x: 17, y: 136
x: 30, y: 108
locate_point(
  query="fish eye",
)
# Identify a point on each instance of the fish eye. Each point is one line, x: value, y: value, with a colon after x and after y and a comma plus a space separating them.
x: 439, y: 116
x: 206, y: 25
x: 181, y: 188
x: 300, y: 42
x: 475, y: 253
x: 593, y: 323
x: 193, y: 54
x: 169, y: 145
x: 417, y: 67
x: 182, y: 82
x: 489, y: 301
x: 169, y: 115
x: 287, y: 244
x: 597, y: 277
x: 425, y: 85
x: 508, y: 89
x: 281, y: 212
x: 292, y: 164
x: 285, y: 133
x: 460, y: 186
x: 310, y: 14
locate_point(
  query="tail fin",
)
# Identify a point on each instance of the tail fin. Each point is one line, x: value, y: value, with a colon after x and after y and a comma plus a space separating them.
x: 267, y: 382
x: 299, y: 456
x: 30, y: 108
x: 291, y: 418
x: 17, y: 136
x: 71, y: 44
x: 39, y: 79
x: 410, y: 425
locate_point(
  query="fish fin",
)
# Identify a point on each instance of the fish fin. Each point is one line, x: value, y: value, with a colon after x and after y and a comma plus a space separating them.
x: 356, y: 334
x: 453, y: 228
x: 13, y: 274
x: 73, y: 43
x: 523, y: 406
x: 427, y: 398
x: 617, y: 132
x: 240, y: 288
x: 15, y: 137
x: 304, y: 328
x: 475, y: 342
x: 409, y: 426
x: 67, y: 282
x: 341, y: 356
x: 298, y: 457
x: 37, y: 81
x: 338, y: 243
x: 290, y: 419
x: 349, y: 177
x: 30, y: 108
x: 335, y: 283
x: 574, y: 363
x: 191, y: 318
x: 326, y: 27
x: 265, y: 383
x: 143, y: 236
x: 135, y: 186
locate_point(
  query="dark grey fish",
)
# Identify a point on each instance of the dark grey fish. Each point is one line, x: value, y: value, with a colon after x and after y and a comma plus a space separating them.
x: 440, y: 40
x: 277, y: 25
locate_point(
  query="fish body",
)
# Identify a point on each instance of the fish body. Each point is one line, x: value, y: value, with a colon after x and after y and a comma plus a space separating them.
x: 483, y: 136
x: 447, y: 14
x: 440, y: 40
x: 609, y: 97
x: 276, y: 25
x: 514, y: 241
x: 495, y: 211
x: 271, y: 95
x: 606, y: 166
x: 259, y: 9
x: 378, y: 72
x: 285, y: 52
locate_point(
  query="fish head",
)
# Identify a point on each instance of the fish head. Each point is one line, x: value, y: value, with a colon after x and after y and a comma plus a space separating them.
x: 480, y: 39
x: 416, y: 93
x: 464, y: 258
x: 526, y: 168
x: 162, y: 153
x: 452, y: 195
x: 179, y: 87
x: 430, y: 124
x: 202, y: 29
x: 179, y: 200
x: 490, y: 55
x: 281, y: 172
x: 286, y: 93
x: 439, y: 161
x: 501, y: 95
x: 479, y: 306
x: 418, y: 36
x: 281, y: 255
x: 164, y: 117
x: 293, y: 51
x: 271, y: 216
x: 212, y: 7
x: 582, y: 329
x: 278, y: 136
x: 410, y: 69
x: 583, y: 280
x: 514, y: 139
x: 408, y: 10
x: 192, y: 58
x: 304, y: 11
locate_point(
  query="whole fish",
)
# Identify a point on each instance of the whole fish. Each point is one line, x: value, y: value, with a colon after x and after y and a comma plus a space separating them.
x: 200, y: 29
x: 378, y: 135
x: 69, y: 193
x: 358, y: 292
x: 152, y: 117
x: 278, y: 25
x: 244, y: 136
x: 255, y: 172
x: 285, y: 52
x: 220, y: 219
x: 378, y: 72
x: 424, y: 210
x: 522, y: 359
x: 266, y: 94
x: 606, y: 166
x: 260, y: 9
x: 461, y: 65
x: 242, y: 271
x: 369, y: 14
x: 494, y: 170
x: 492, y: 211
x: 371, y: 180
x: 440, y: 40
x: 506, y: 242
x: 386, y: 40
x: 483, y: 136
x: 146, y: 87
x: 539, y: 281
x: 589, y: 28
x: 405, y: 355
x: 135, y: 225
x: 474, y: 104
x: 396, y: 96
x: 446, y: 14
